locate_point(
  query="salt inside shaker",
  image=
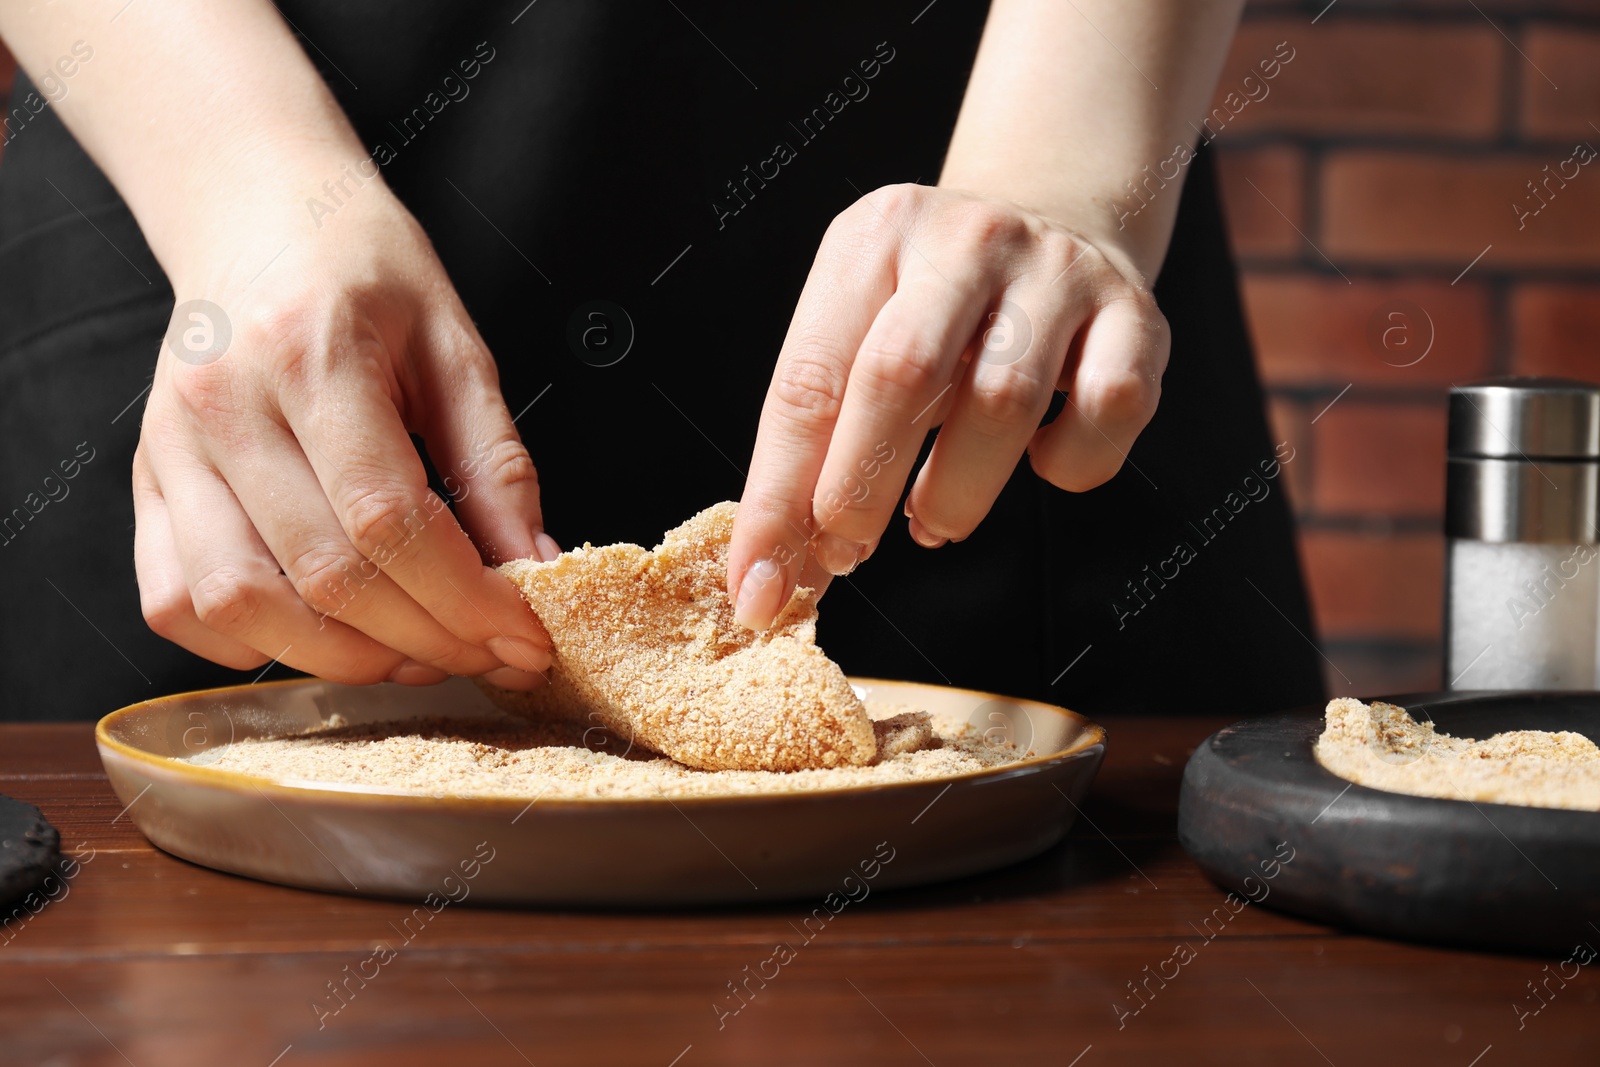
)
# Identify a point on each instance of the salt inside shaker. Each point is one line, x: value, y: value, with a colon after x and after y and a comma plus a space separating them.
x: 1522, y: 499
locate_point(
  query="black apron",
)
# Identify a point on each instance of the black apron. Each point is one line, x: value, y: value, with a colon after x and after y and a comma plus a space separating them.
x: 562, y: 154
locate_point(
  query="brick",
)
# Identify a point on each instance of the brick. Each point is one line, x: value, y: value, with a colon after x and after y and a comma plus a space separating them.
x: 1314, y: 330
x: 1397, y: 208
x: 1363, y: 76
x: 1555, y: 329
x: 1254, y: 225
x: 1379, y: 459
x: 1290, y: 422
x: 1570, y: 58
x: 1372, y: 587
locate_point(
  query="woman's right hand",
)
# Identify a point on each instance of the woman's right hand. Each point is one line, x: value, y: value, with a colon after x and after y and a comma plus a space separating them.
x: 282, y: 510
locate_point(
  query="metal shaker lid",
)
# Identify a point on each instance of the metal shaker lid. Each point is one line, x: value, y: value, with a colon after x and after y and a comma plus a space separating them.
x: 1525, y: 418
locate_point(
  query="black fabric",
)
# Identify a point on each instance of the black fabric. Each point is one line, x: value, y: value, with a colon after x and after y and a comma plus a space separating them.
x: 587, y: 159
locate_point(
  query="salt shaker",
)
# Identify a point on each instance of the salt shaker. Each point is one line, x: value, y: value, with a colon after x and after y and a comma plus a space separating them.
x: 1522, y: 502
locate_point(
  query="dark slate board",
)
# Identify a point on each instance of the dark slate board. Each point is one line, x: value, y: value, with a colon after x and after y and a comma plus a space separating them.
x: 30, y: 850
x: 1443, y: 871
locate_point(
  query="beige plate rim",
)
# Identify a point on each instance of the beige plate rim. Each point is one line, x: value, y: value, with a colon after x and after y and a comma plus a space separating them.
x: 1093, y: 735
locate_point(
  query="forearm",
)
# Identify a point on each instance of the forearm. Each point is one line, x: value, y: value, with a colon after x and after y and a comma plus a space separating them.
x: 189, y: 106
x: 1069, y: 103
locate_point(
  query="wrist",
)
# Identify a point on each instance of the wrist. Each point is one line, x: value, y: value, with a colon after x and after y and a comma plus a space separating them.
x: 261, y: 201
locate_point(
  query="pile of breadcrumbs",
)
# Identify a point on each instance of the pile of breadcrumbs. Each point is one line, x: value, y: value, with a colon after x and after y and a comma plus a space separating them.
x: 508, y: 756
x: 1381, y: 746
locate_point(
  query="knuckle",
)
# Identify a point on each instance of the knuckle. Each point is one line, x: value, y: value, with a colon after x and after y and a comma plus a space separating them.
x: 381, y: 521
x: 210, y: 392
x: 1048, y: 467
x: 873, y: 218
x: 452, y: 657
x: 507, y: 464
x: 899, y: 360
x: 457, y: 658
x: 898, y: 201
x: 811, y: 382
x: 325, y: 579
x: 368, y: 671
x: 166, y: 609
x: 982, y: 225
x: 1002, y: 402
x: 1143, y: 304
x: 1074, y: 473
x: 279, y: 336
x: 1122, y: 397
x: 228, y: 600
x: 940, y: 513
x: 901, y: 199
x: 1061, y: 249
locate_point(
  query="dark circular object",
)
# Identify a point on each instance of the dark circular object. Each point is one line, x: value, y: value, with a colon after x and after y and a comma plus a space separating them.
x: 1445, y: 871
x: 1401, y: 332
x: 30, y: 849
x: 600, y: 332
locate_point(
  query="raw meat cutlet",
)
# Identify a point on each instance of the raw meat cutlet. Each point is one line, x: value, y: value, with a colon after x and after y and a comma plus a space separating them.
x: 647, y: 646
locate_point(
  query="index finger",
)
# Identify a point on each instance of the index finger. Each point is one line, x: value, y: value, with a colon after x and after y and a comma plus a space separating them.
x: 774, y: 526
x: 379, y: 491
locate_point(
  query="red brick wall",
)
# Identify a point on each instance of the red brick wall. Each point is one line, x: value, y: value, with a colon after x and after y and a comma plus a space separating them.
x: 1384, y: 158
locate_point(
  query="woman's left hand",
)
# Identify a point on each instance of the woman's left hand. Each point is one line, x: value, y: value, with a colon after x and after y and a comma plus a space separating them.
x: 930, y: 306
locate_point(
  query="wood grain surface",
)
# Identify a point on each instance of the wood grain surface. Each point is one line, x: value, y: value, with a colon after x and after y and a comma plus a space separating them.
x: 148, y: 960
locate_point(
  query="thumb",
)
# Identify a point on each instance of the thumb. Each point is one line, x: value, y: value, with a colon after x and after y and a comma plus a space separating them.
x: 482, y: 461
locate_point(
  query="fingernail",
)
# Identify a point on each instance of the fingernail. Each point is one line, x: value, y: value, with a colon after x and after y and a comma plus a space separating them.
x: 520, y: 653
x: 413, y: 673
x: 923, y: 536
x: 838, y: 556
x: 759, y: 595
x: 511, y: 678
x: 545, y: 548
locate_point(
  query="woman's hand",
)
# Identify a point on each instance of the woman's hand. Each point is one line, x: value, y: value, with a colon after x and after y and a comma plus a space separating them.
x: 930, y: 306
x: 282, y: 511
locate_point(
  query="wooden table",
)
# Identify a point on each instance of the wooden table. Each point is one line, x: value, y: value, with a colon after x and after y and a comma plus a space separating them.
x: 152, y: 961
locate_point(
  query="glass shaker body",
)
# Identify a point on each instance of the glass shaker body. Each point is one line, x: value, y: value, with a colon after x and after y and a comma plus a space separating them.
x: 1522, y: 499
x: 1521, y: 616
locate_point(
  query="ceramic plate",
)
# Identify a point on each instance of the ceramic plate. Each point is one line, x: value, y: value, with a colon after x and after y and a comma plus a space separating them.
x: 605, y: 852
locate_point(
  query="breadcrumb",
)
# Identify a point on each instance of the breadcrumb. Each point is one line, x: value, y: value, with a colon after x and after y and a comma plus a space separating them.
x: 645, y: 644
x: 506, y: 756
x: 1381, y: 746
